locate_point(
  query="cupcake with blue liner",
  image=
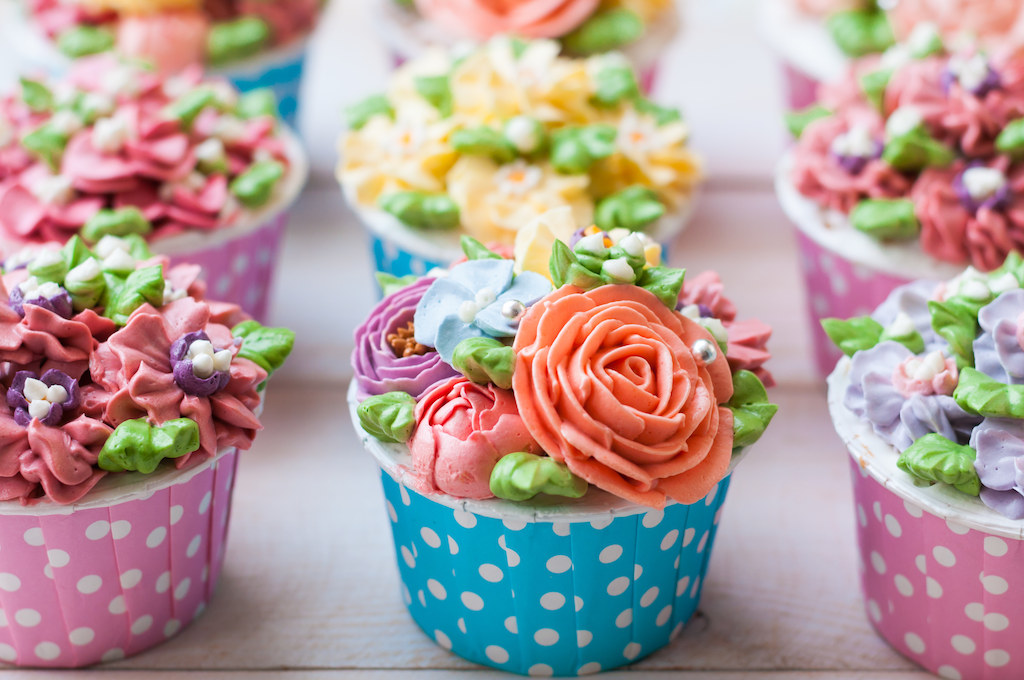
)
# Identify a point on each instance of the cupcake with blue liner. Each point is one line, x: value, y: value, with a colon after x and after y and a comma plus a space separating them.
x: 481, y: 144
x: 556, y: 447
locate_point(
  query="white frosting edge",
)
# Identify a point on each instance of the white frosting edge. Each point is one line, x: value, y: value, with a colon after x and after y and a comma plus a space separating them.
x: 802, y: 41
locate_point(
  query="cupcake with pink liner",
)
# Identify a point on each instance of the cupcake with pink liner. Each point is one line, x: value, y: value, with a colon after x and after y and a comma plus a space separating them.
x: 928, y: 406
x: 641, y: 29
x: 127, y: 397
x: 205, y: 175
x: 484, y: 143
x: 906, y: 169
x: 254, y: 43
x: 555, y: 445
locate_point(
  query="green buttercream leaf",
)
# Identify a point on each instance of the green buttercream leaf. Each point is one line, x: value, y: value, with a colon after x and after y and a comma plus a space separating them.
x: 873, y: 86
x: 55, y: 271
x: 81, y: 41
x: 485, y: 360
x: 664, y: 282
x: 389, y: 283
x: 912, y: 341
x: 613, y: 85
x: 663, y: 115
x: 980, y: 394
x: 933, y: 458
x: 36, y: 95
x: 859, y: 32
x: 359, y: 114
x: 120, y: 222
x: 632, y: 208
x: 561, y: 262
x: 1013, y: 264
x: 797, y: 121
x: 853, y: 335
x: 255, y: 187
x: 751, y: 411
x: 521, y: 476
x: 257, y: 103
x: 264, y: 346
x: 47, y: 143
x: 137, y: 446
x: 915, y: 151
x: 956, y: 321
x: 86, y: 292
x: 141, y: 286
x: 575, y: 149
x: 388, y: 417
x: 422, y: 209
x: 605, y: 31
x: 1011, y: 139
x: 236, y: 40
x: 484, y: 141
x: 75, y: 252
x: 886, y: 219
x: 436, y: 90
x: 188, y: 106
x: 475, y: 250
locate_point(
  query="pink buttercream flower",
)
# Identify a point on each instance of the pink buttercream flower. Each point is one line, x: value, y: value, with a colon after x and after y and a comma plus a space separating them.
x: 462, y: 430
x: 926, y: 376
x: 747, y: 348
x: 482, y: 19
x: 706, y: 289
x: 993, y: 21
x: 169, y: 40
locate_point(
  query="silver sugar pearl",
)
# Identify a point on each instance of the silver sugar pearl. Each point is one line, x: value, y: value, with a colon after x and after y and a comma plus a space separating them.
x: 704, y: 351
x: 513, y: 310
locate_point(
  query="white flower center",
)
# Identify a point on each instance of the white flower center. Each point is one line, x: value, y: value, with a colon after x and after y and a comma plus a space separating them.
x: 903, y: 120
x: 406, y: 139
x: 982, y: 182
x: 618, y: 270
x: 715, y: 327
x: 638, y: 134
x: 468, y: 311
x: 205, y: 360
x: 119, y: 261
x: 110, y: 134
x: 518, y: 178
x: 1003, y: 283
x: 485, y: 297
x: 121, y: 80
x: 592, y: 245
x: 922, y: 37
x: 87, y: 271
x: 901, y: 326
x: 229, y: 129
x: 54, y: 190
x: 970, y: 72
x: 41, y: 397
x: 171, y: 293
x: 108, y: 244
x: 632, y: 245
x: 66, y: 122
x: 856, y: 142
x: 31, y: 289
x: 522, y: 132
x: 691, y: 312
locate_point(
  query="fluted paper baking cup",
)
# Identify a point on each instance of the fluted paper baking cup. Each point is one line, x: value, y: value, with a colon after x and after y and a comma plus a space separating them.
x: 550, y: 586
x: 846, y: 272
x: 122, y: 570
x: 808, y: 54
x: 942, y: 575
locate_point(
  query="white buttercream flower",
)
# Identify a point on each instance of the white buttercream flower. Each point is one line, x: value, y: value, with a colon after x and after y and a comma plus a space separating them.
x: 518, y: 178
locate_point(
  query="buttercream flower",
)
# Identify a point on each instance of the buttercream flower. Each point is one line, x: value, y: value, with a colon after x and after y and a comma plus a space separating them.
x: 471, y: 302
x: 377, y: 367
x: 927, y: 375
x: 992, y: 20
x: 633, y: 413
x: 482, y: 19
x: 170, y: 41
x: 462, y: 430
x: 45, y: 398
x: 908, y: 305
x: 998, y: 350
x: 999, y: 443
x: 47, y: 295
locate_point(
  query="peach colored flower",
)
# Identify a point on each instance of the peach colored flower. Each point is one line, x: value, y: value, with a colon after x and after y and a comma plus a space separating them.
x: 482, y: 19
x: 170, y: 41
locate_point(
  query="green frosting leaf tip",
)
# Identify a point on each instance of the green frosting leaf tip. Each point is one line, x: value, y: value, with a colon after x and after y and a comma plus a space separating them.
x: 751, y: 411
x: 605, y: 31
x: 797, y: 121
x: 138, y: 446
x: 485, y: 360
x: 437, y: 91
x: 1011, y: 139
x: 255, y: 187
x: 475, y: 250
x: 521, y: 476
x: 853, y: 335
x: 81, y: 41
x: 933, y: 458
x: 236, y: 40
x: 664, y: 282
x: 484, y: 141
x: 388, y: 417
x: 575, y: 149
x: 985, y: 396
x: 633, y: 208
x: 121, y: 222
x: 422, y: 209
x: 389, y: 283
x: 886, y: 219
x: 859, y: 32
x: 359, y: 114
x: 266, y: 347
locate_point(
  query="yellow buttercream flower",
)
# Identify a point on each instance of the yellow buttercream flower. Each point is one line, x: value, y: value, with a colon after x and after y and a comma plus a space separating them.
x: 141, y: 7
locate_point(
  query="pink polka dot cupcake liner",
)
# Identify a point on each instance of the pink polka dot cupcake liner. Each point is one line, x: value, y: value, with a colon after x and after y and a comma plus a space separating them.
x: 126, y: 568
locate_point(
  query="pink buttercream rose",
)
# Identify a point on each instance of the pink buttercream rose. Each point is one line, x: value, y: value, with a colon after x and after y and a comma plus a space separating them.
x: 169, y: 40
x: 462, y: 430
x: 482, y: 19
x: 926, y: 376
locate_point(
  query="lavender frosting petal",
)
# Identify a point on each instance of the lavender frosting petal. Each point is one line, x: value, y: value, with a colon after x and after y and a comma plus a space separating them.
x: 999, y: 442
x: 997, y: 353
x: 882, y: 360
x: 912, y: 299
x: 939, y: 414
x: 1009, y: 504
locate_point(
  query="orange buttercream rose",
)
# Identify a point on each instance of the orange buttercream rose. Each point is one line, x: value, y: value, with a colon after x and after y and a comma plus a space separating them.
x: 483, y: 19
x: 606, y: 382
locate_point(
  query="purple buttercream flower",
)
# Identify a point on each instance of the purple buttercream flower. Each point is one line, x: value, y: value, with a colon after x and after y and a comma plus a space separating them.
x: 999, y: 443
x: 897, y: 419
x: 46, y: 399
x: 47, y: 295
x: 974, y: 74
x: 854, y: 163
x: 378, y: 369
x: 199, y: 368
x: 912, y: 299
x: 997, y: 351
x: 997, y: 199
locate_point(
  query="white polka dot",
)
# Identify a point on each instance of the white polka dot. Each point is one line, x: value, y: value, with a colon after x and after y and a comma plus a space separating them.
x: 602, y: 523
x: 893, y: 526
x: 589, y: 668
x: 97, y: 530
x: 442, y: 639
x: 637, y: 571
x: 436, y: 589
x: 875, y: 611
x: 156, y: 537
x: 58, y: 558
x: 453, y: 547
x: 921, y: 562
x: 996, y: 622
x: 172, y: 627
x: 578, y: 601
x: 995, y: 584
x: 491, y: 573
x: 194, y: 545
x: 914, y: 643
x: 957, y: 528
x: 204, y: 504
x: 583, y: 638
x: 561, y: 528
x: 676, y: 631
x: 81, y: 636
x: 87, y: 585
x: 652, y: 518
x: 552, y: 601
x: 996, y: 547
x: 610, y: 554
x: 117, y: 605
x: 710, y: 498
x: 903, y: 585
x: 514, y: 524
x: 702, y: 543
x: 559, y: 564
x: 496, y: 654
x: 422, y: 598
x: 181, y: 592
x: 163, y: 582
x: 963, y: 644
x: 632, y: 650
x: 513, y: 557
x: 682, y: 585
x: 975, y: 611
x: 545, y: 637
x: 430, y: 537
x: 501, y: 542
x: 947, y: 672
x: 913, y: 510
x: 472, y: 601
x: 997, y: 658
x: 8, y: 653
x: 624, y: 619
x: 649, y: 597
x: 177, y: 512
x: 944, y: 556
x: 618, y: 586
x: 462, y: 625
x: 688, y: 536
x: 120, y: 529
x: 876, y: 507
x: 512, y: 625
x: 540, y: 670
x: 861, y: 515
x: 34, y: 537
x: 877, y: 562
x: 113, y: 655
x: 142, y: 624
x: 696, y: 588
x: 391, y: 511
x: 466, y: 520
x: 27, y: 618
x: 407, y: 556
x: 718, y: 515
x: 47, y: 651
x: 663, y: 616
x: 670, y: 539
x: 933, y: 588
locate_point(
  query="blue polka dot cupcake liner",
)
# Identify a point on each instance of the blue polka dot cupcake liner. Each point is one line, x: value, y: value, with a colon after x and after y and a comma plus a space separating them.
x: 278, y: 70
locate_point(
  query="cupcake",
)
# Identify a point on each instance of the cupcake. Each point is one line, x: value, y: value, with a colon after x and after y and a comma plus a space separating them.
x: 928, y: 405
x: 906, y: 169
x: 640, y: 29
x: 556, y: 447
x: 204, y: 175
x: 483, y: 143
x: 254, y: 43
x: 127, y: 397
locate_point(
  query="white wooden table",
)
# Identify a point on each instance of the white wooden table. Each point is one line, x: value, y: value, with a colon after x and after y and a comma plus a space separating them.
x: 310, y: 587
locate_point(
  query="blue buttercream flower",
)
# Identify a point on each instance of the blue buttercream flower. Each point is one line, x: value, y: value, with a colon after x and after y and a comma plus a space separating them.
x: 476, y: 299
